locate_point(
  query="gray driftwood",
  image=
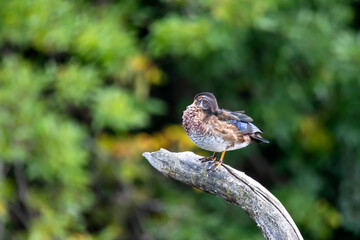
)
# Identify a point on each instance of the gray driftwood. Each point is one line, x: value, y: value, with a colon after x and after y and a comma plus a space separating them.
x: 233, y: 186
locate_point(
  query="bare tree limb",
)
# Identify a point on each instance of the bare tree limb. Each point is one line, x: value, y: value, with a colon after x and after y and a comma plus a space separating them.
x: 233, y: 186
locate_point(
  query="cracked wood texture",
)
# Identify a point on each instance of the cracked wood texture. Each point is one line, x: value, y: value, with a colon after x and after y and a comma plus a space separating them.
x: 233, y: 186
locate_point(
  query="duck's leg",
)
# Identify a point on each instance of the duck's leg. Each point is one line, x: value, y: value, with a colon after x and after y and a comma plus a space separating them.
x: 217, y: 164
x: 210, y: 158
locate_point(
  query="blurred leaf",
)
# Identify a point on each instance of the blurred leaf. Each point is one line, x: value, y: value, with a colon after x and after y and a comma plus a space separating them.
x: 76, y: 84
x: 317, y: 216
x: 118, y: 109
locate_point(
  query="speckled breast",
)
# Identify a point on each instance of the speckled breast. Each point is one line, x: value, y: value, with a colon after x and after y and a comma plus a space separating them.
x: 199, y: 133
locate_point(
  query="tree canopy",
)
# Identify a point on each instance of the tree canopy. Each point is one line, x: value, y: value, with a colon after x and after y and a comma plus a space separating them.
x: 87, y: 86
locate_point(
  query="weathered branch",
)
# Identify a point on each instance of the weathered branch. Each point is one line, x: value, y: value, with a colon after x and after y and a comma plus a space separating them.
x: 232, y: 185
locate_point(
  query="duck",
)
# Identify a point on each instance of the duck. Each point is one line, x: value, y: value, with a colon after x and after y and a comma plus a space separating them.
x: 218, y: 130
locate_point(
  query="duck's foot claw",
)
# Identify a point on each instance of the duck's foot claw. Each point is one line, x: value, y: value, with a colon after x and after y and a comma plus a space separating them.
x: 207, y: 159
x: 215, y: 165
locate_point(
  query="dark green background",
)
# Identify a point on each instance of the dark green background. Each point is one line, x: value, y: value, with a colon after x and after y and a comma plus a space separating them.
x: 87, y: 86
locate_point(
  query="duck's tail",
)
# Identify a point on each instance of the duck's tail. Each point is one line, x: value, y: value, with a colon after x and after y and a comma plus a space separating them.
x: 256, y: 137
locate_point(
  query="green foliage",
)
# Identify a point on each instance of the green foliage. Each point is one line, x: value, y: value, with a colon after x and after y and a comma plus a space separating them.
x: 76, y: 84
x: 317, y: 216
x: 45, y: 148
x: 118, y: 110
x: 192, y: 37
x: 78, y: 81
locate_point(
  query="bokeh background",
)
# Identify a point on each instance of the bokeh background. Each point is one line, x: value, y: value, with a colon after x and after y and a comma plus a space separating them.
x: 87, y: 86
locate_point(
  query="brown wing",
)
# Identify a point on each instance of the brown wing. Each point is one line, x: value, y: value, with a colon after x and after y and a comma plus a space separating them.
x: 225, y: 115
x: 242, y: 116
x: 235, y: 126
x: 226, y: 130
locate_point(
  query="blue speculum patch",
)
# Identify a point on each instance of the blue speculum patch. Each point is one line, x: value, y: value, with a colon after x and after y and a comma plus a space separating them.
x: 240, y: 125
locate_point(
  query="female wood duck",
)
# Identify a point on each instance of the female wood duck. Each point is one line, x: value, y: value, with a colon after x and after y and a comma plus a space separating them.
x: 218, y: 130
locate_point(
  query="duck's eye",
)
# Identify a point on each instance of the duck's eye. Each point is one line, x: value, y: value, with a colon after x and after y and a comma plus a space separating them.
x: 199, y: 97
